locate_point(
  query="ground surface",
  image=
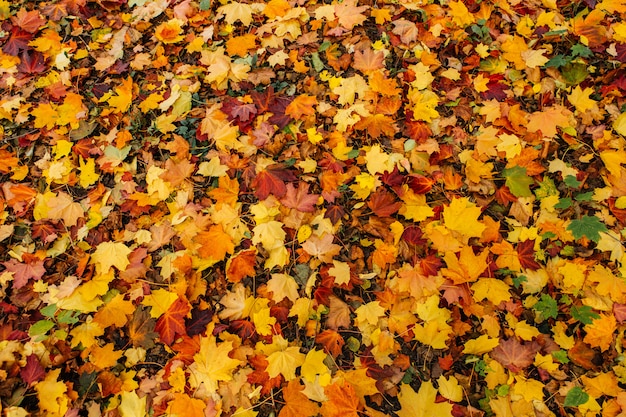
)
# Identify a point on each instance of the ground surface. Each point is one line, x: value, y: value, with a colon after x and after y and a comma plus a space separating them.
x: 291, y: 208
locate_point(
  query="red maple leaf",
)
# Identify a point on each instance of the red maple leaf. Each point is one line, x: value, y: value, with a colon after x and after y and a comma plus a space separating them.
x: 33, y: 371
x: 172, y: 322
x: 263, y: 100
x: 31, y: 63
x: 419, y: 183
x: 332, y: 341
x: 526, y: 255
x: 272, y: 181
x: 383, y: 203
x: 299, y: 198
x: 17, y: 42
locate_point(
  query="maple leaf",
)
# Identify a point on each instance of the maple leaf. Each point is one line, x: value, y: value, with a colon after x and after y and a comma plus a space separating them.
x: 31, y: 63
x: 383, y: 203
x: 31, y: 268
x: 600, y: 333
x: 421, y: 403
x: 462, y: 216
x: 332, y: 341
x: 241, y: 265
x: 172, y: 322
x: 52, y: 394
x: 322, y: 247
x: 109, y: 254
x: 548, y: 120
x: 514, y: 355
x: 215, y: 243
x: 368, y: 60
x: 526, y: 255
x: 299, y: 198
x: 303, y: 105
x: 272, y: 181
x: 296, y: 403
x: 342, y: 401
x: 33, y: 371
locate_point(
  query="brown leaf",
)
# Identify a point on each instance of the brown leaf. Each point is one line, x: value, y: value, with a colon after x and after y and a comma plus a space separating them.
x: 383, y: 203
x: 514, y: 355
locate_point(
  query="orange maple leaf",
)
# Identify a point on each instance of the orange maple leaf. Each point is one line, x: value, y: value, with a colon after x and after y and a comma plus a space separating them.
x: 302, y: 105
x: 296, y: 403
x: 215, y: 243
x: 342, y: 401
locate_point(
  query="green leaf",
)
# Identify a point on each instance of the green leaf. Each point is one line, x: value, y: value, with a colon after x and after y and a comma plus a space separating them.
x: 517, y: 181
x: 574, y: 73
x: 40, y: 328
x: 581, y: 50
x: 584, y: 314
x: 205, y: 5
x: 575, y: 397
x: 68, y: 317
x: 49, y: 310
x: 561, y: 356
x: 519, y: 280
x: 587, y: 226
x: 318, y: 65
x: 546, y: 307
x: 571, y: 181
x: 582, y: 197
x: 557, y: 61
x: 564, y: 203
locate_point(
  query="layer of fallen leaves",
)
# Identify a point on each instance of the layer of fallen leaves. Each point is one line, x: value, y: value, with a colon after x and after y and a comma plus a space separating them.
x: 295, y: 208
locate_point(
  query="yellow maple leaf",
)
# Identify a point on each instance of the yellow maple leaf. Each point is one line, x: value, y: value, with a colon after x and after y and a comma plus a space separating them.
x: 109, y: 254
x: 86, y: 333
x: 159, y: 301
x: 421, y: 403
x: 580, y: 99
x: 285, y: 360
x: 121, y: 102
x: 236, y: 11
x: 462, y: 216
x: 606, y: 383
x: 433, y: 334
x: 114, y: 312
x: 424, y: 104
x: 313, y: 367
x: 46, y: 115
x: 461, y: 16
x: 340, y: 271
x: 450, y: 389
x: 53, y: 400
x: 466, y: 268
x: 263, y: 321
x: 131, y: 405
x: 491, y: 289
x: 88, y: 175
x: 481, y: 345
x: 212, y: 363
